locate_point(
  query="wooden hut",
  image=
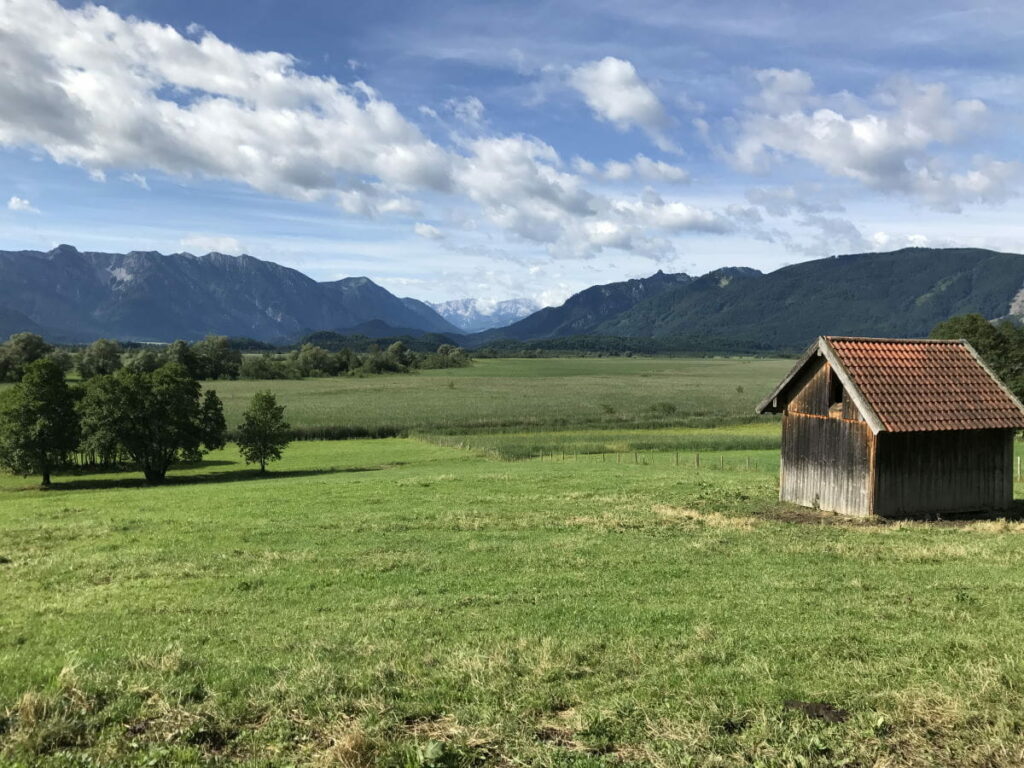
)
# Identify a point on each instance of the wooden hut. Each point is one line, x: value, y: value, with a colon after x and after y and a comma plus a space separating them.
x: 895, y: 427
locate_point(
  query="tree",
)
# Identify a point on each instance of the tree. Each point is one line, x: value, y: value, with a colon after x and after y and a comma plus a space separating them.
x: 400, y: 356
x: 268, y: 366
x: 155, y: 418
x: 311, y: 360
x: 446, y: 356
x: 18, y: 352
x: 211, y: 417
x: 982, y: 335
x: 145, y: 360
x: 216, y: 359
x: 38, y: 423
x: 100, y: 358
x: 264, y: 432
x: 181, y: 353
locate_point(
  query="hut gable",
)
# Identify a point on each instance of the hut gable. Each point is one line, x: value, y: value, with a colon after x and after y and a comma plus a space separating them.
x: 904, y: 385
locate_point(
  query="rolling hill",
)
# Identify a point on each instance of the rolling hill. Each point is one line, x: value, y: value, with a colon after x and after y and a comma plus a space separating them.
x: 586, y: 311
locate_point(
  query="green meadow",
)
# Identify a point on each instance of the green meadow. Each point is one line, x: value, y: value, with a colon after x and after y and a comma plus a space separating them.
x: 517, y: 395
x: 590, y: 596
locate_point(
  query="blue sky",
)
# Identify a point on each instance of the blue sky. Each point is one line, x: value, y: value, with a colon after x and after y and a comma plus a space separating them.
x: 496, y: 150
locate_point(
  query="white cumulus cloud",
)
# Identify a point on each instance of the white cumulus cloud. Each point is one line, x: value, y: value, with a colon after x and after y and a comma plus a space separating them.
x: 891, y: 144
x: 428, y: 231
x: 469, y: 110
x: 21, y: 205
x: 200, y: 107
x: 615, y: 92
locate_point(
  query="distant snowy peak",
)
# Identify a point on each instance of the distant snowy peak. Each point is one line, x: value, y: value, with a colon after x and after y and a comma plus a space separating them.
x: 472, y: 315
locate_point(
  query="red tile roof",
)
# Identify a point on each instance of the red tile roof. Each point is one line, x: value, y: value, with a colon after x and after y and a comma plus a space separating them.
x: 925, y: 385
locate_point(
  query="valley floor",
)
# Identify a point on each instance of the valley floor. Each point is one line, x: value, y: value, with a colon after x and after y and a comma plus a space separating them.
x: 400, y: 602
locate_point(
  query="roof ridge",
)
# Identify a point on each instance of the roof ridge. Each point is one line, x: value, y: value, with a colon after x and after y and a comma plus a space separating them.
x: 883, y: 340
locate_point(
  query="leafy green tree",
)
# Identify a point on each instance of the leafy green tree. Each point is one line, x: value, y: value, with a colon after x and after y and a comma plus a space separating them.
x: 39, y: 426
x: 181, y: 353
x: 215, y: 359
x: 18, y: 352
x: 145, y: 360
x: 155, y: 418
x: 400, y: 356
x: 100, y: 431
x: 63, y: 359
x: 311, y: 360
x: 268, y: 366
x: 211, y: 418
x: 263, y: 434
x: 982, y: 335
x: 100, y: 358
x: 446, y: 356
x: 344, y: 361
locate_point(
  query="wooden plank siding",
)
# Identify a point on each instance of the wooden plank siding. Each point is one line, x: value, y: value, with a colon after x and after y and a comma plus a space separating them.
x: 921, y: 473
x: 826, y: 463
x: 825, y: 452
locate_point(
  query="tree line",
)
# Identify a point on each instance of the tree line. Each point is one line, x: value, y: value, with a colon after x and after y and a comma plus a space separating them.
x: 149, y: 420
x: 216, y: 357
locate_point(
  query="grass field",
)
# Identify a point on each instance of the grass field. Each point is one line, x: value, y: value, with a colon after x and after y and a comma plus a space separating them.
x: 393, y: 602
x: 499, y: 395
x: 601, y: 600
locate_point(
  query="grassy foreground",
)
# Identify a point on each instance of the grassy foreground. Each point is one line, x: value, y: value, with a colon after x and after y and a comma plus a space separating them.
x: 399, y: 603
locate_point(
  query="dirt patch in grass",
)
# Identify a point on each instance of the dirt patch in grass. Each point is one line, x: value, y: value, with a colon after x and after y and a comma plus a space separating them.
x: 818, y: 710
x: 681, y: 515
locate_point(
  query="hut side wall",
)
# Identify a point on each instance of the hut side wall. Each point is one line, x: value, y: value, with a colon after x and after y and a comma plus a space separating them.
x: 920, y: 473
x: 826, y: 463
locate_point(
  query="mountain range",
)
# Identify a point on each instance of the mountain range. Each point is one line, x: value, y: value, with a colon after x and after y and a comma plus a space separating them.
x: 899, y: 293
x: 473, y: 315
x: 68, y: 295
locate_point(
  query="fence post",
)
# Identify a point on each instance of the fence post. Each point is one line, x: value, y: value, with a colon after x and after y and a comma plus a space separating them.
x: 677, y: 458
x: 696, y: 460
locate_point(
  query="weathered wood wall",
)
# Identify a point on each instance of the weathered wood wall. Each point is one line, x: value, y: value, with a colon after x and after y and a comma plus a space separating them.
x: 814, y: 390
x: 826, y: 463
x: 920, y: 473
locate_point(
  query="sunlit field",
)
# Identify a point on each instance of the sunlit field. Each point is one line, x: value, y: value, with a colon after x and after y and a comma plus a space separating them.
x: 394, y: 602
x: 602, y: 594
x: 498, y: 395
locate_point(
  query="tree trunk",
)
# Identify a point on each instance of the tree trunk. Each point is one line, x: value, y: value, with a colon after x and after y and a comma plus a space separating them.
x: 263, y: 466
x: 154, y: 476
x: 46, y: 478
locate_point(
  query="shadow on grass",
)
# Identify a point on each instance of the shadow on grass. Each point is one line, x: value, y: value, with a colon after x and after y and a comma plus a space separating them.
x: 121, y: 469
x: 789, y: 513
x: 196, y: 479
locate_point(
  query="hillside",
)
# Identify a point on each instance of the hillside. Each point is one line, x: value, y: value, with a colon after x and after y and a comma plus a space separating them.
x: 901, y: 293
x: 584, y: 312
x: 148, y: 296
